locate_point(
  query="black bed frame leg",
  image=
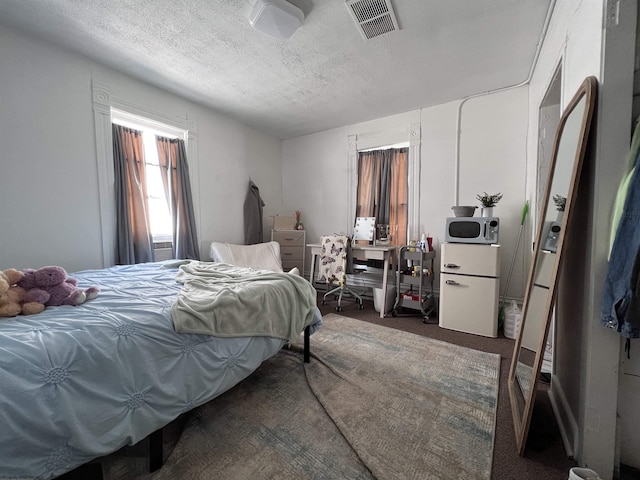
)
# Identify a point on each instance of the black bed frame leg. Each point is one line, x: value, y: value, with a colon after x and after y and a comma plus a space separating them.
x: 155, y: 451
x: 307, y: 334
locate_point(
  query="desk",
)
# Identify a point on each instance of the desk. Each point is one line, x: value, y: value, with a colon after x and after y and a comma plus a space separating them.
x: 369, y: 252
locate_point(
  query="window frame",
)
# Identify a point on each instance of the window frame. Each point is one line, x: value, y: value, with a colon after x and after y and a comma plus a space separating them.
x: 149, y: 127
x: 373, y: 139
x: 103, y: 103
x: 402, y: 145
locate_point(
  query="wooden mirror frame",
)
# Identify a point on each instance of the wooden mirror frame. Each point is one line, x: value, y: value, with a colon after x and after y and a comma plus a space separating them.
x: 522, y: 403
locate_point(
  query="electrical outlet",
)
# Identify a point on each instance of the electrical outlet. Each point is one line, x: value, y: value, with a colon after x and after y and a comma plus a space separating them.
x: 612, y: 14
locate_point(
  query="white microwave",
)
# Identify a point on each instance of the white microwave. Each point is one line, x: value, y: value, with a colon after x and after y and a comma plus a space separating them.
x: 473, y: 230
x: 551, y: 236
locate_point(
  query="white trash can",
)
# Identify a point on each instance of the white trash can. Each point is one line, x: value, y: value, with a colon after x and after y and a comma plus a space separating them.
x: 577, y: 473
x: 389, y: 301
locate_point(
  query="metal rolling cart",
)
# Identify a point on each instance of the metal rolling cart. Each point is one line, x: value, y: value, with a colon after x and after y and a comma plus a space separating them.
x: 415, y: 268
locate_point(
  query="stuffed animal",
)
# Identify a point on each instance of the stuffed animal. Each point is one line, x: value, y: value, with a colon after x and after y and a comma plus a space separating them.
x: 12, y: 297
x: 10, y: 306
x: 53, y: 280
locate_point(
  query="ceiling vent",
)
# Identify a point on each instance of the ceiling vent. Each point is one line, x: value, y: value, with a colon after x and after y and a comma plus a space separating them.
x: 373, y: 17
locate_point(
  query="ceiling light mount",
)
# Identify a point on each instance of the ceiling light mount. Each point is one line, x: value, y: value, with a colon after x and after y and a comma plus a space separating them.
x: 277, y: 18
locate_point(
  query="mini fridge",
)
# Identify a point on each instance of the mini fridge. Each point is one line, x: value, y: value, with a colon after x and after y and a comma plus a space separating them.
x: 469, y: 288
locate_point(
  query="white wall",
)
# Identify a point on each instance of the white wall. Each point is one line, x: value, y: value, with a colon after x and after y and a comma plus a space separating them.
x: 314, y: 181
x: 48, y: 170
x: 585, y: 384
x: 492, y: 158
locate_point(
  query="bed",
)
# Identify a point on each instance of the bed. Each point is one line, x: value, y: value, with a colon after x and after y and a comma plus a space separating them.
x: 78, y: 383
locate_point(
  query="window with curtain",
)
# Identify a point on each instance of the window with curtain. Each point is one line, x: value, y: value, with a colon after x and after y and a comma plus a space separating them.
x: 154, y: 209
x: 174, y: 171
x: 383, y: 189
x: 134, y: 243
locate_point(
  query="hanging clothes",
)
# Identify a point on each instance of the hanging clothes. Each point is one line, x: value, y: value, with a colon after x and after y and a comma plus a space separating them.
x: 618, y: 289
x: 632, y: 317
x: 623, y: 189
x: 253, y: 204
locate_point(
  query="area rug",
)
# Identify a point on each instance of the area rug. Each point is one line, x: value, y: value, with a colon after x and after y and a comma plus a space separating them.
x: 373, y: 403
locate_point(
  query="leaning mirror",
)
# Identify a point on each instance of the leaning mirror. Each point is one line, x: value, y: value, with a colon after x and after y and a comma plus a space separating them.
x: 553, y: 218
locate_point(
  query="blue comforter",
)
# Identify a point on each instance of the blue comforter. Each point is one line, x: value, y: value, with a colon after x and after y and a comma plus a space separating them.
x: 77, y: 383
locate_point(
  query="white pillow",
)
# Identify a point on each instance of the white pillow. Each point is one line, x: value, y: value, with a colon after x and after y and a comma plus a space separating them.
x: 261, y: 256
x: 294, y: 271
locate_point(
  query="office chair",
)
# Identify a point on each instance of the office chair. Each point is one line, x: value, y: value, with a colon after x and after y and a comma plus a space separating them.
x: 334, y: 261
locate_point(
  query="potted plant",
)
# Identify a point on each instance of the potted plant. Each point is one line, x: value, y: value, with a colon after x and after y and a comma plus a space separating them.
x: 488, y: 202
x: 298, y: 225
x: 560, y: 202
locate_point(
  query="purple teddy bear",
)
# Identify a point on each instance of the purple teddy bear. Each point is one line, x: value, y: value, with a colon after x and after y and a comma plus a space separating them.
x: 52, y: 287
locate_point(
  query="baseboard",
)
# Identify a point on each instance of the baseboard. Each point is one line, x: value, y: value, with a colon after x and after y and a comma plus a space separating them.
x: 567, y: 423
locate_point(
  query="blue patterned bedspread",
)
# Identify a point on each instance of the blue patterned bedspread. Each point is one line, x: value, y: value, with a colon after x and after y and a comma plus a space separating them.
x: 77, y: 383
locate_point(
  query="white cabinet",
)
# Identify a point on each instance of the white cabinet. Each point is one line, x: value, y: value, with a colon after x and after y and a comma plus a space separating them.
x: 292, y: 244
x: 469, y: 288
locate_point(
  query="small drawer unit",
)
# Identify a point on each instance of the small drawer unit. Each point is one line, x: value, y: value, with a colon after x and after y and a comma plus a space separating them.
x: 292, y: 244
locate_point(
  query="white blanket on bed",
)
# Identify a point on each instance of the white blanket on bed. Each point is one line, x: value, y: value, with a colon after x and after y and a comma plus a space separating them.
x: 228, y: 301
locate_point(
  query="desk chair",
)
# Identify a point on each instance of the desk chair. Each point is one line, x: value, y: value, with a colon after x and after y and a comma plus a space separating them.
x: 334, y: 261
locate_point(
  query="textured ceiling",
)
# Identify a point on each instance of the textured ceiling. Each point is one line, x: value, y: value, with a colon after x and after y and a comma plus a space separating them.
x: 326, y: 75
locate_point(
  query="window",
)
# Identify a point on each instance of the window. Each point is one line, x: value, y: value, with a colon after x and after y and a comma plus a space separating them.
x: 159, y: 213
x: 401, y: 131
x: 135, y: 242
x: 107, y: 108
x: 382, y: 189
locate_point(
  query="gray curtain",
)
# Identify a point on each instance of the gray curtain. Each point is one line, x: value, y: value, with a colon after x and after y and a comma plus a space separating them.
x: 172, y: 156
x: 384, y: 187
x: 374, y: 170
x: 134, y: 243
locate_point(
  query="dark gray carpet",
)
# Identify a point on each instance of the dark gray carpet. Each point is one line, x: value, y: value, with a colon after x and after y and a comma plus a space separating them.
x: 373, y: 403
x: 545, y: 457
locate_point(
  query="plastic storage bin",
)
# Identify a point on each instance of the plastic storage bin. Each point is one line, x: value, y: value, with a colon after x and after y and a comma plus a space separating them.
x: 511, y: 320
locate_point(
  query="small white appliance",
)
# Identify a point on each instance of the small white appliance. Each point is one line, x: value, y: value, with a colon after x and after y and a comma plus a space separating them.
x: 469, y: 284
x: 482, y: 230
x: 550, y: 236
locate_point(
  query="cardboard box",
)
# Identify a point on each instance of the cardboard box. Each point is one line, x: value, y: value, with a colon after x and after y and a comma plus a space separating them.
x: 281, y: 222
x: 409, y: 295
